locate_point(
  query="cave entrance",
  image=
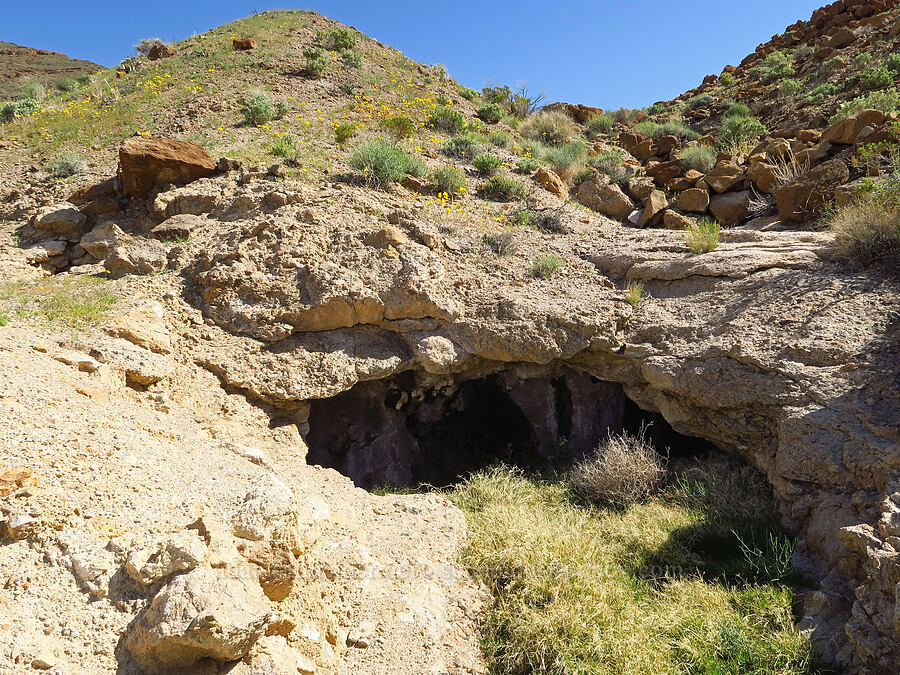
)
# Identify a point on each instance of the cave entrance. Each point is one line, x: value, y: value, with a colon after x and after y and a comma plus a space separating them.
x: 417, y: 429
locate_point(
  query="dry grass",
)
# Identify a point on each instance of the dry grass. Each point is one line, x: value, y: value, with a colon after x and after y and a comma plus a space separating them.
x: 549, y: 127
x: 703, y: 236
x: 623, y: 470
x: 867, y: 233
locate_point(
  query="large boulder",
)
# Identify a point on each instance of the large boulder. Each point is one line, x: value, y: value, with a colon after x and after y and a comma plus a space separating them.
x: 607, y: 198
x: 724, y: 177
x: 161, y: 556
x: 146, y: 164
x: 135, y: 255
x: 695, y: 200
x: 731, y: 208
x: 655, y: 204
x: 60, y: 219
x: 204, y: 614
x: 800, y: 200
x: 763, y: 175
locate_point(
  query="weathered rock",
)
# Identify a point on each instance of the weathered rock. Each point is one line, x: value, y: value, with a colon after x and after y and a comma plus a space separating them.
x: 143, y: 326
x: 206, y: 613
x: 695, y: 200
x: 800, y: 200
x: 763, y: 175
x: 640, y: 187
x: 161, y: 51
x: 730, y: 208
x: 601, y: 195
x: 244, y: 44
x: 88, y: 193
x: 141, y: 366
x: 653, y: 207
x: 21, y: 527
x: 675, y: 220
x: 135, y: 255
x: 724, y: 177
x: 146, y: 164
x: 15, y: 478
x: 275, y: 564
x: 844, y: 37
x: 551, y: 182
x: 663, y: 172
x: 61, y: 219
x: 272, y: 655
x: 99, y: 241
x: 268, y: 511
x: 162, y: 556
x: 177, y: 227
x: 201, y: 196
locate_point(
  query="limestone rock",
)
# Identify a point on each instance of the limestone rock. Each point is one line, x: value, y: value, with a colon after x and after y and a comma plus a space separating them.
x: 99, y: 241
x: 275, y: 564
x: 272, y: 655
x: 675, y: 220
x: 206, y: 613
x: 141, y: 366
x: 135, y: 255
x: 164, y: 555
x: 640, y: 187
x: 607, y: 198
x: 268, y: 511
x: 177, y: 227
x: 143, y: 326
x: 60, y: 219
x: 149, y: 163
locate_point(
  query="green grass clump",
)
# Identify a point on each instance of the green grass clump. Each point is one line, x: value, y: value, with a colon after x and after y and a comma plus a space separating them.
x: 11, y: 110
x: 646, y: 127
x: 351, y: 59
x: 789, y: 86
x: 544, y: 266
x: 867, y: 231
x: 33, y: 90
x: 610, y: 163
x: 501, y: 139
x: 399, y: 127
x: 503, y: 187
x: 775, y: 66
x: 736, y: 131
x: 65, y: 166
x: 886, y: 100
x: 726, y: 79
x: 259, y: 109
x: 549, y: 127
x: 72, y: 301
x: 491, y: 112
x: 821, y: 92
x: 600, y: 124
x: 863, y: 59
x: 315, y: 61
x: 675, y: 128
x: 502, y: 243
x: 344, y: 132
x: 663, y: 586
x: 487, y: 164
x: 701, y: 101
x: 336, y: 39
x: 876, y: 78
x: 447, y: 120
x: 891, y: 62
x: 834, y: 63
x: 634, y: 293
x: 701, y: 158
x: 703, y: 236
x: 67, y: 85
x: 449, y: 179
x: 462, y: 147
x: 286, y: 146
x: 737, y: 110
x: 528, y: 165
x: 381, y: 162
x: 566, y: 159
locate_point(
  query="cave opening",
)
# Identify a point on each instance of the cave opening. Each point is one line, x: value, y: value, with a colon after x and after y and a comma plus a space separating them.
x: 415, y: 429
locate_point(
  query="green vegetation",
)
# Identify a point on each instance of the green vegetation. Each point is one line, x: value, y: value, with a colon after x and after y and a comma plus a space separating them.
x: 549, y: 127
x: 544, y: 266
x: 73, y: 301
x: 726, y: 79
x: 610, y: 163
x: 700, y: 158
x: 503, y: 187
x: 821, y: 92
x: 737, y: 129
x: 668, y: 128
x: 501, y: 139
x: 315, y: 61
x: 259, y: 109
x: 737, y: 110
x: 600, y: 124
x: 351, y: 59
x: 65, y: 166
x: 663, y: 586
x: 491, y: 112
x: 462, y: 146
x: 286, y: 146
x: 34, y: 91
x: 487, y: 164
x: 886, y: 100
x: 344, y: 132
x: 67, y: 85
x: 863, y: 59
x: 703, y: 236
x: 502, y: 243
x: 566, y: 159
x: 469, y: 94
x: 775, y: 66
x: 789, y: 86
x: 449, y: 179
x: 701, y: 101
x: 891, y: 62
x: 802, y: 53
x: 634, y: 293
x: 399, y: 127
x: 11, y: 110
x: 528, y: 165
x: 381, y: 162
x: 876, y: 78
x: 447, y: 120
x: 835, y: 63
x: 336, y: 39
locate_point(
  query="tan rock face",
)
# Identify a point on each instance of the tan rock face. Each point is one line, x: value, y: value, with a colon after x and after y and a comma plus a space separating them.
x: 799, y: 201
x: 695, y: 200
x: 551, y: 182
x: 607, y: 198
x: 763, y: 176
x: 653, y: 208
x: 724, y: 177
x: 149, y: 163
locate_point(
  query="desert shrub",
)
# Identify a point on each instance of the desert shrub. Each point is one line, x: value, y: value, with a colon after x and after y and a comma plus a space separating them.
x: 623, y: 470
x: 67, y: 85
x: 646, y: 127
x: 610, y: 163
x: 775, y: 66
x: 701, y: 101
x: 600, y: 124
x: 33, y: 90
x: 381, y: 162
x: 351, y: 59
x: 544, y: 266
x: 528, y: 165
x: 656, y: 109
x: 449, y: 179
x: 737, y: 110
x: 583, y: 174
x: 836, y: 62
x: 892, y: 63
x: 10, y: 110
x: 634, y: 293
x: 281, y: 109
x: 703, y: 236
x: 628, y: 115
x: 789, y: 86
x: 802, y: 53
x: 487, y: 164
x: 447, y: 120
x: 876, y: 78
x: 468, y: 93
x: 863, y: 59
x: 502, y: 243
x: 65, y: 166
x: 144, y: 46
x: 503, y: 187
x: 500, y: 139
x: 701, y: 158
x: 344, y: 132
x: 867, y: 233
x: 285, y: 146
x: 491, y: 112
x: 820, y: 92
x: 462, y: 146
x: 258, y: 109
x: 315, y: 61
x: 726, y: 79
x: 549, y: 127
x: 675, y: 128
x: 567, y: 158
x: 336, y: 39
x: 398, y: 127
x: 886, y: 100
x: 737, y: 130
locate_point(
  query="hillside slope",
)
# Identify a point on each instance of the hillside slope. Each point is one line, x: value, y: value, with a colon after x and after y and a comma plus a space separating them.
x: 19, y: 65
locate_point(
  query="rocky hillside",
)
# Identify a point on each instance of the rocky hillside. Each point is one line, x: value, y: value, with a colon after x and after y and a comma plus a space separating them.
x: 280, y: 246
x: 21, y: 65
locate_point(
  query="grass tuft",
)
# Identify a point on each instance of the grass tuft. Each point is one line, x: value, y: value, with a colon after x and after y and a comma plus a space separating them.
x: 703, y: 236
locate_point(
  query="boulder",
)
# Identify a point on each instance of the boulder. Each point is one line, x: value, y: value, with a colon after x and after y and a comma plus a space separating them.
x: 164, y: 555
x: 653, y: 207
x: 135, y: 255
x: 141, y: 366
x: 88, y: 193
x: 800, y: 200
x: 99, y: 241
x: 663, y: 172
x: 272, y: 655
x: 724, y: 177
x: 146, y: 164
x: 161, y: 51
x: 551, y: 182
x: 60, y: 219
x: 666, y: 144
x: 244, y: 44
x: 695, y: 200
x: 731, y: 208
x: 601, y: 195
x: 177, y: 227
x: 204, y: 614
x: 143, y: 326
x: 842, y: 38
x: 640, y: 187
x: 675, y: 220
x: 763, y: 175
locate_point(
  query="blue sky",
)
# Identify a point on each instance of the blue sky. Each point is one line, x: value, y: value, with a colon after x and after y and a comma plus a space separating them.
x: 606, y: 53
